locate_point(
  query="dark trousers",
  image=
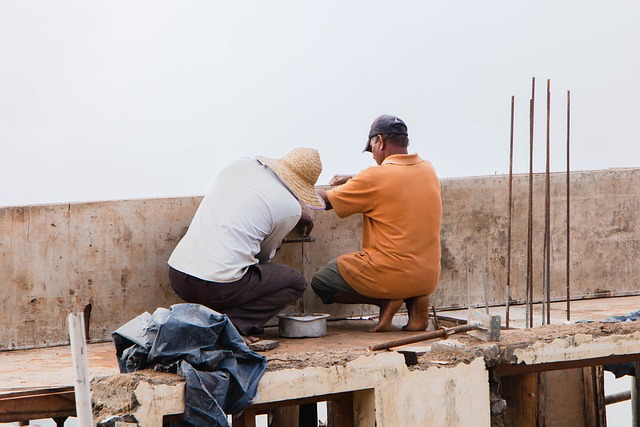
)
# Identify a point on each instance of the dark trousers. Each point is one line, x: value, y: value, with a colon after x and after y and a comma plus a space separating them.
x: 250, y: 302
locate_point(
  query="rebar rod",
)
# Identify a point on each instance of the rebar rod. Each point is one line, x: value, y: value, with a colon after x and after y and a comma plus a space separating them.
x: 529, y: 299
x: 568, y: 208
x: 424, y: 336
x: 509, y: 214
x: 547, y: 218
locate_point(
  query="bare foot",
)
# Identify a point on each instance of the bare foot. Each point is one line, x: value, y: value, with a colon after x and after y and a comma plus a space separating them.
x: 380, y: 328
x: 248, y: 340
x: 387, y: 310
x: 418, y: 308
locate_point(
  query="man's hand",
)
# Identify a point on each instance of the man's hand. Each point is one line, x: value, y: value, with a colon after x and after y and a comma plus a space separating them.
x: 323, y: 195
x: 339, y: 179
x: 304, y: 225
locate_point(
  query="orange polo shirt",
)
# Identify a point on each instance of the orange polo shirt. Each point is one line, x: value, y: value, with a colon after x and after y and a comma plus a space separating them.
x: 402, y: 213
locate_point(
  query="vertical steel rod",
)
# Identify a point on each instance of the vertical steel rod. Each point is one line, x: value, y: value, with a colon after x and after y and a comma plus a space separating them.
x: 529, y: 299
x: 568, y: 208
x: 485, y: 285
x: 509, y: 214
x: 547, y: 217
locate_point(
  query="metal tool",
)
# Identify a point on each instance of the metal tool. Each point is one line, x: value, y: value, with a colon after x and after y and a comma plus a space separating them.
x: 479, y: 325
x: 307, y: 239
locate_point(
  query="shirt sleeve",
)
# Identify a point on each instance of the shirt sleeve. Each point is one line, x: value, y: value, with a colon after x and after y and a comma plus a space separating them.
x: 355, y: 196
x: 272, y: 242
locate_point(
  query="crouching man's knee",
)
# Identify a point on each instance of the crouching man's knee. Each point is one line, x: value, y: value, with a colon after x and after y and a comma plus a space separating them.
x: 325, y: 281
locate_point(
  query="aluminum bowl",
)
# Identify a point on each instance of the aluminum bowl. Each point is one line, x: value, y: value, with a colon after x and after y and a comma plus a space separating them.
x: 302, y: 325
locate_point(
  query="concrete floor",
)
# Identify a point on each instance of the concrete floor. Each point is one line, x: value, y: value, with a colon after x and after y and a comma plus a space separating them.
x: 591, y: 309
x: 51, y: 367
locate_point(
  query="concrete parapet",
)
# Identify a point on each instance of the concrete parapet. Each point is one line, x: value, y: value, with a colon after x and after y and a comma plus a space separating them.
x: 108, y: 259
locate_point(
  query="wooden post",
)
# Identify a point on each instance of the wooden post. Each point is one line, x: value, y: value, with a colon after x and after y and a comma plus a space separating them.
x: 594, y: 403
x: 308, y: 415
x: 247, y: 419
x: 80, y: 360
x: 340, y: 412
x: 285, y: 416
x: 521, y: 393
x: 635, y: 404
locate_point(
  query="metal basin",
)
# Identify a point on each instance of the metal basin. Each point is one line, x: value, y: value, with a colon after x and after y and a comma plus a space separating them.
x: 302, y: 325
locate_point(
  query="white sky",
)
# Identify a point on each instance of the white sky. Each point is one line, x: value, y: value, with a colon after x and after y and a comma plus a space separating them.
x: 104, y: 100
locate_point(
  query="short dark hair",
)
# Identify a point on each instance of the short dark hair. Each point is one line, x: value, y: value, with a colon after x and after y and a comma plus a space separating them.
x: 397, y: 140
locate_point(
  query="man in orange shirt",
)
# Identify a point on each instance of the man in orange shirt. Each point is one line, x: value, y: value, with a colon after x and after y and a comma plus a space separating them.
x: 401, y: 216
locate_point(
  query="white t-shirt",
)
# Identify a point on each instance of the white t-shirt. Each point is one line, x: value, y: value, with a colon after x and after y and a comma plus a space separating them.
x: 240, y: 222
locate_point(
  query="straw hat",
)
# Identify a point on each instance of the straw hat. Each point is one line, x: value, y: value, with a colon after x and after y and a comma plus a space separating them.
x: 299, y: 170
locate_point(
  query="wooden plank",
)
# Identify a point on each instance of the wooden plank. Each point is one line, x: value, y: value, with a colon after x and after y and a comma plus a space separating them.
x: 247, y: 419
x: 34, y: 392
x: 82, y: 383
x: 340, y: 412
x: 262, y: 408
x: 286, y: 416
x: 343, y: 416
x: 521, y: 394
x: 27, y: 407
x: 635, y: 393
x: 521, y: 369
x: 593, y: 387
x: 308, y: 415
x: 561, y: 399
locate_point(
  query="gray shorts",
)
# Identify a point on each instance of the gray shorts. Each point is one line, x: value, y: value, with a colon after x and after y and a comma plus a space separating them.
x: 328, y: 282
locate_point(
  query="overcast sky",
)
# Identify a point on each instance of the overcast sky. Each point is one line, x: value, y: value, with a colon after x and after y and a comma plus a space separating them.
x: 103, y: 100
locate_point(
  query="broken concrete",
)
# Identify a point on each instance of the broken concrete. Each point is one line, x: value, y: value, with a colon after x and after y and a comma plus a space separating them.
x: 387, y: 392
x: 143, y: 397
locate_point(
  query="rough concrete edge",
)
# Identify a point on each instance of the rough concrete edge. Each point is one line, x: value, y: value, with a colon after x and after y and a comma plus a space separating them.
x: 362, y: 373
x: 577, y: 347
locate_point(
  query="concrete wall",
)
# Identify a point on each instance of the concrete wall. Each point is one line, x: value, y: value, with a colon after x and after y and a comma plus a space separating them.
x: 604, y: 237
x: 56, y: 259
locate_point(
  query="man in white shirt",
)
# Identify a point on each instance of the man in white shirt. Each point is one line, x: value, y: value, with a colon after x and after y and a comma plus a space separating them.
x: 222, y: 262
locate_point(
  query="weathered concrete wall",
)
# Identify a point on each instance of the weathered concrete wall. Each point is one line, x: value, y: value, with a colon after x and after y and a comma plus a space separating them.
x: 604, y: 237
x: 56, y: 259
x: 333, y: 237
